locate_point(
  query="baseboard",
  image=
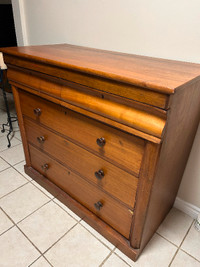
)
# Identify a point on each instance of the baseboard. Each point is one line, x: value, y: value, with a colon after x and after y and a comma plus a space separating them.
x: 186, y: 207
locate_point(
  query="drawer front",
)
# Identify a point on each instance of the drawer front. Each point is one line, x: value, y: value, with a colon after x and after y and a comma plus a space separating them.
x: 121, y: 148
x: 105, y: 175
x: 111, y: 211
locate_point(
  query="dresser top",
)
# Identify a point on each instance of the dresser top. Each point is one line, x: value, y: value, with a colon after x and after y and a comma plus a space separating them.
x: 157, y: 74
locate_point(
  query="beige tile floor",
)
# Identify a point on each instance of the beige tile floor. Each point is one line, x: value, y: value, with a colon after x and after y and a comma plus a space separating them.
x: 37, y: 230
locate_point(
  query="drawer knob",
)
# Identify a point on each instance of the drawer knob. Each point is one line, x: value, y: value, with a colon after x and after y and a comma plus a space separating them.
x: 99, y: 174
x: 41, y: 139
x: 37, y: 111
x: 101, y: 141
x: 98, y: 205
x: 45, y: 167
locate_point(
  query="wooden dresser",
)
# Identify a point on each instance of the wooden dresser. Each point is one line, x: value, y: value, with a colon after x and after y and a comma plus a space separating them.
x: 107, y: 133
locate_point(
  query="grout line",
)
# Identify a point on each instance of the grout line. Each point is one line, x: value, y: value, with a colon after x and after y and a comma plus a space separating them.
x: 15, y: 225
x: 21, y: 173
x: 18, y: 163
x: 47, y: 260
x: 60, y: 238
x: 123, y: 259
x: 181, y: 244
x: 106, y: 258
x: 189, y: 255
x: 7, y: 229
x: 14, y: 190
x: 41, y: 256
x: 167, y: 240
x: 35, y: 261
x: 6, y: 168
x: 97, y: 237
x: 65, y: 210
x: 9, y: 220
x: 42, y: 253
x: 11, y: 165
x: 7, y: 148
x: 21, y: 231
x: 34, y: 211
x: 41, y: 190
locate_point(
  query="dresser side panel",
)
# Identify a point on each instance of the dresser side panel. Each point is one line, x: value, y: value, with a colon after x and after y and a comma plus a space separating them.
x: 182, y: 124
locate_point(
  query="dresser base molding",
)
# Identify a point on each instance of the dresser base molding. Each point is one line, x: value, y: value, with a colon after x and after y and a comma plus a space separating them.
x: 108, y: 232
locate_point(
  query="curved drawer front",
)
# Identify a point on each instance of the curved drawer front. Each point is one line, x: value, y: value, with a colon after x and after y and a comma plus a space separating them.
x: 106, y: 176
x: 121, y: 148
x: 90, y: 196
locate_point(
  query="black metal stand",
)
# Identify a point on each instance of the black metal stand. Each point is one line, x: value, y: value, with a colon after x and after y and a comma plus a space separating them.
x: 10, y: 119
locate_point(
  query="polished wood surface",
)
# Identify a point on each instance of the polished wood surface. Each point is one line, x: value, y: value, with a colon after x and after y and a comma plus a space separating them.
x: 158, y: 74
x: 108, y: 134
x: 115, y: 181
x: 184, y: 117
x: 141, y: 117
x: 43, y: 82
x: 115, y: 214
x: 115, y: 124
x: 121, y: 148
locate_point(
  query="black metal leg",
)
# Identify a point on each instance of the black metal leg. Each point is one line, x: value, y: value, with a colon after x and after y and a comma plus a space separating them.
x: 10, y: 119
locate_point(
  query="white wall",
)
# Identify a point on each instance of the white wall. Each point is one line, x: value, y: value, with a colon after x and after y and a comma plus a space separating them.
x: 167, y: 29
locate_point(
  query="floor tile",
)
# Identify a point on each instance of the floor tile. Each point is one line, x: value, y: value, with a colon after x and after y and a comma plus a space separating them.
x: 114, y: 261
x: 97, y: 235
x: 158, y: 252
x: 18, y: 135
x: 41, y: 262
x: 183, y: 259
x: 13, y: 155
x: 20, y: 168
x: 5, y: 222
x: 3, y: 117
x: 76, y: 217
x: 1, y: 134
x: 191, y: 243
x: 23, y: 201
x: 3, y: 165
x: 10, y: 180
x: 78, y: 248
x: 4, y: 142
x: 175, y: 226
x: 16, y: 250
x: 45, y: 226
x: 42, y: 189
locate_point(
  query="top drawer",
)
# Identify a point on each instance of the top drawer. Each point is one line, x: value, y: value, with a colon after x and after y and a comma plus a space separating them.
x: 120, y: 148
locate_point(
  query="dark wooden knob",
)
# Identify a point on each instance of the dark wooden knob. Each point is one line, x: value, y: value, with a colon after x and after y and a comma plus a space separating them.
x: 41, y: 139
x: 45, y: 166
x: 99, y: 174
x: 37, y: 111
x: 101, y: 141
x: 98, y: 205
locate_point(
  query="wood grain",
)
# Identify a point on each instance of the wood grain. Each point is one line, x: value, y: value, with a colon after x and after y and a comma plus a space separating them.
x: 183, y: 120
x: 65, y: 75
x: 112, y: 211
x: 153, y: 73
x: 140, y: 117
x: 85, y: 132
x: 116, y: 182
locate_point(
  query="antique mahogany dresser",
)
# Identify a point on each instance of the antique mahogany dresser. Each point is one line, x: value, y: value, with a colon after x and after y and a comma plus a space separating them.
x: 107, y: 133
